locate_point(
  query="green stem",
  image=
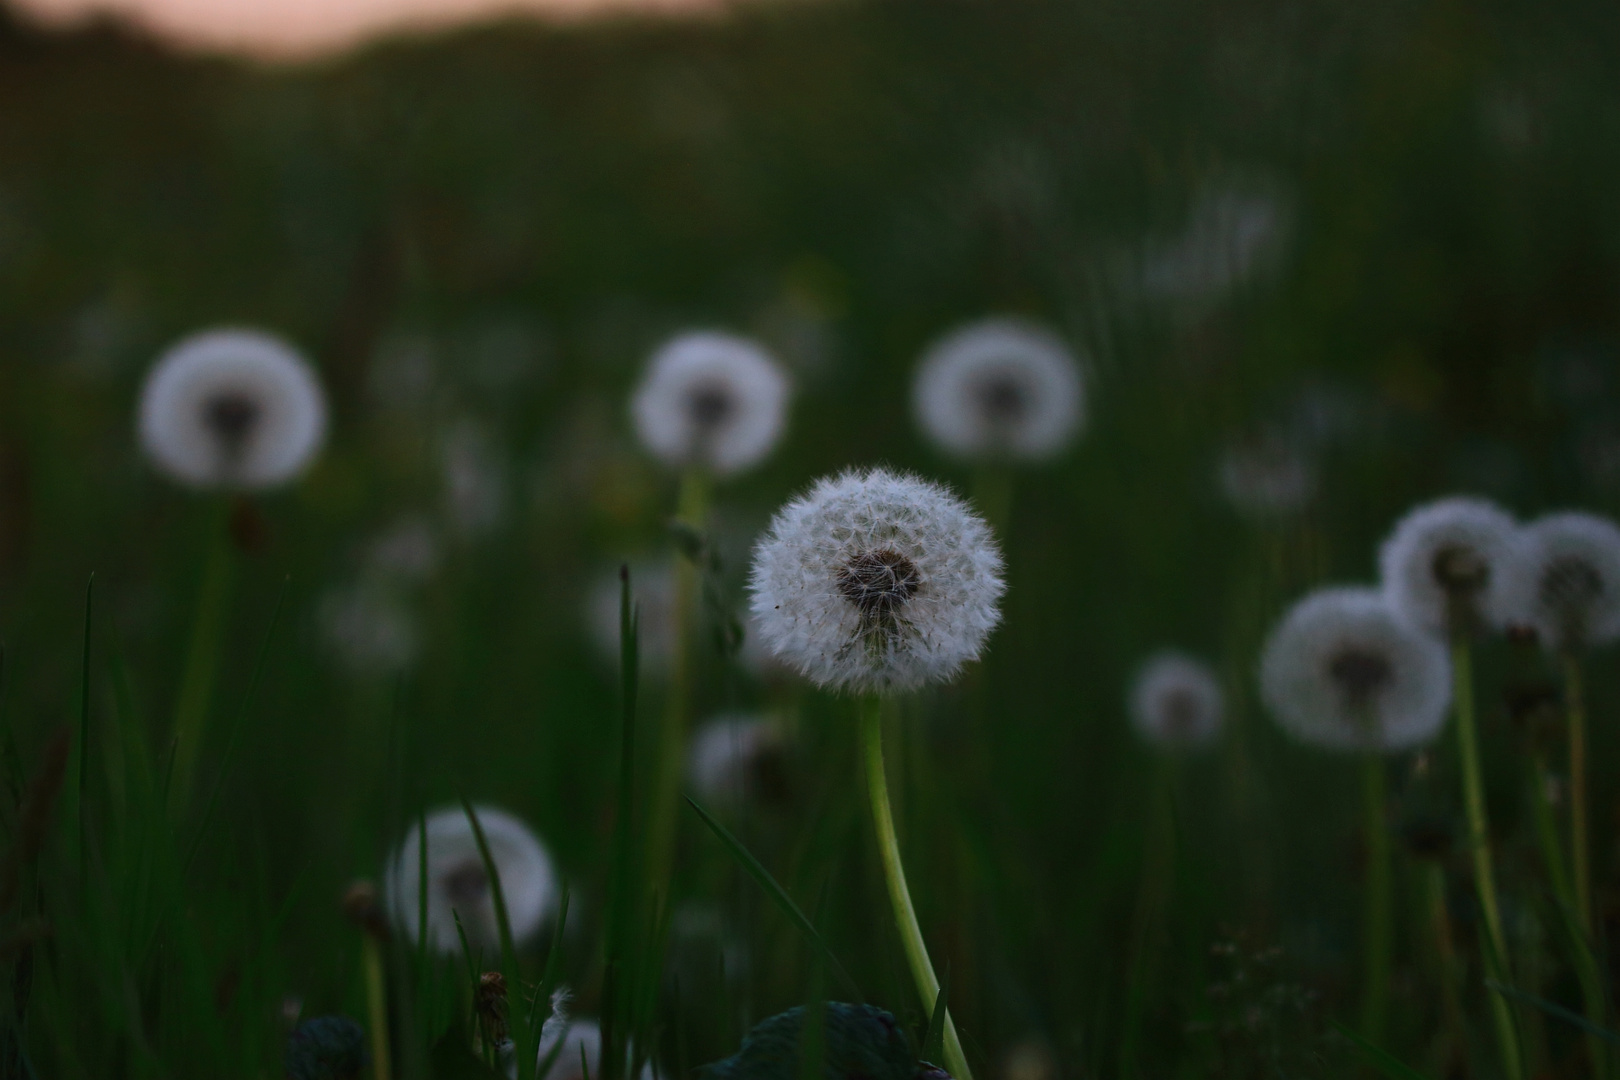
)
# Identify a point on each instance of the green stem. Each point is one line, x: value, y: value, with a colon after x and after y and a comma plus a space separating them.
x: 1579, y: 845
x: 1378, y: 925
x: 1495, y: 943
x: 1152, y: 901
x: 196, y: 694
x: 376, y: 1006
x: 905, y: 916
x: 1434, y: 887
x: 691, y: 513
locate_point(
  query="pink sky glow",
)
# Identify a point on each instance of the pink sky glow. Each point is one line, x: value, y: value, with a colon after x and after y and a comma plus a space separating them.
x: 301, y: 28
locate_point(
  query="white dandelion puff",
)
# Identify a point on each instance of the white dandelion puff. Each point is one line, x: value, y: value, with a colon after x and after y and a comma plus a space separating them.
x: 1341, y: 671
x: 457, y: 883
x: 232, y: 409
x: 711, y: 399
x: 876, y: 581
x: 1176, y: 701
x: 1000, y: 388
x: 738, y: 757
x: 1566, y: 580
x: 1445, y: 565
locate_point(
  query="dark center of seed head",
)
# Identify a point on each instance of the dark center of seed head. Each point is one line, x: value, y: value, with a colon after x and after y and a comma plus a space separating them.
x: 710, y: 405
x: 1461, y: 570
x: 231, y: 417
x: 1570, y: 584
x: 1360, y: 674
x: 879, y: 583
x: 466, y: 885
x: 1003, y: 398
x: 1181, y: 710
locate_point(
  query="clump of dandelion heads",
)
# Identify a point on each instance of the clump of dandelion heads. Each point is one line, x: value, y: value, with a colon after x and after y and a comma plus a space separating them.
x: 232, y: 409
x: 876, y: 581
x: 1445, y: 566
x: 1000, y: 388
x: 457, y: 882
x: 732, y: 758
x: 1566, y: 580
x: 1176, y: 701
x: 711, y: 399
x: 1341, y: 671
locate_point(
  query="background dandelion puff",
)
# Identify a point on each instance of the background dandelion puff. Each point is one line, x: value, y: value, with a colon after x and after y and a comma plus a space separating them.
x: 1449, y: 560
x: 711, y: 399
x: 1176, y: 701
x: 1566, y: 580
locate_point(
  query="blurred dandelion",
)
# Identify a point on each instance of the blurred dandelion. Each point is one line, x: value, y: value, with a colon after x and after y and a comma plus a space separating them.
x: 711, y: 400
x: 575, y: 1050
x: 457, y: 883
x: 1446, y: 566
x: 734, y: 758
x: 1000, y: 388
x: 370, y: 628
x: 232, y: 409
x: 1267, y: 477
x: 1176, y: 702
x: 1342, y: 672
x: 407, y: 551
x: 1234, y: 233
x: 876, y: 581
x: 474, y: 480
x: 1566, y: 580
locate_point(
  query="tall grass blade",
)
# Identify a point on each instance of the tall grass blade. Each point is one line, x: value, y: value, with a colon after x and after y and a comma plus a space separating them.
x: 503, y: 924
x: 1380, y: 1059
x: 934, y: 1042
x: 1553, y: 1009
x: 774, y: 890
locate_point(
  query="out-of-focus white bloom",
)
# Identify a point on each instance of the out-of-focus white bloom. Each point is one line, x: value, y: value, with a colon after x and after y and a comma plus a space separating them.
x: 407, y: 551
x: 1446, y: 565
x: 876, y: 581
x: 370, y: 628
x: 458, y: 884
x: 581, y: 1050
x: 232, y: 409
x: 711, y: 399
x: 1232, y: 235
x: 732, y: 758
x: 474, y: 481
x: 1176, y: 701
x: 1341, y: 671
x: 1000, y: 388
x: 653, y: 589
x: 1565, y: 580
x: 1268, y: 477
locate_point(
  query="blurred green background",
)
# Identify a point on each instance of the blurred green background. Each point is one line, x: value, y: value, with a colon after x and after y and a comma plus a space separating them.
x: 1322, y: 261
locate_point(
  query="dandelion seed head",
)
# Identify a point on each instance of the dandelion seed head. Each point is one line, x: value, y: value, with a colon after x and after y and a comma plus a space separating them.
x: 1342, y: 671
x: 1445, y: 565
x: 1566, y: 580
x: 1000, y: 388
x: 233, y: 410
x: 1176, y: 701
x: 876, y: 581
x: 711, y: 399
x: 458, y: 882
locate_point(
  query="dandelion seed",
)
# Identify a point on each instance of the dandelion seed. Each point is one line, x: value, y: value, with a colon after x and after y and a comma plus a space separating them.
x: 1445, y: 565
x: 232, y: 409
x: 876, y: 581
x: 713, y: 400
x: 1565, y: 580
x: 739, y: 757
x: 1341, y: 671
x: 1000, y: 388
x: 459, y: 884
x: 1176, y: 701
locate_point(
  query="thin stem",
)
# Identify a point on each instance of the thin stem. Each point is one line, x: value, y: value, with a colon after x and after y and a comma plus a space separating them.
x: 691, y: 516
x: 1494, y: 945
x: 1434, y: 887
x: 1378, y: 924
x: 905, y: 916
x: 376, y: 1006
x: 1579, y: 845
x: 202, y: 662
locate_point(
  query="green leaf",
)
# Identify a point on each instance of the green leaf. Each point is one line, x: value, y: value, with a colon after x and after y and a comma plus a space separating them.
x: 1553, y: 1009
x: 757, y: 871
x: 934, y: 1043
x: 1381, y: 1060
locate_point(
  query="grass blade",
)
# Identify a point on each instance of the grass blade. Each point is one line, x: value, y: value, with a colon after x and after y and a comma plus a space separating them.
x: 757, y: 871
x: 1553, y: 1009
x: 508, y: 948
x: 1382, y: 1060
x: 934, y: 1044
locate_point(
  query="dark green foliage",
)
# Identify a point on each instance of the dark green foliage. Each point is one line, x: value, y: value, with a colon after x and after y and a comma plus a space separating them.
x: 860, y: 1042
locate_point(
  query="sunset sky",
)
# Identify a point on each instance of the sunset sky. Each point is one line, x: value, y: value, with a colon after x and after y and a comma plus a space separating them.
x: 293, y: 28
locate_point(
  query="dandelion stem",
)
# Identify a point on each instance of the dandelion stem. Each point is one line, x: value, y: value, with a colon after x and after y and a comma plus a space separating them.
x: 1579, y: 845
x: 905, y: 916
x: 1495, y: 943
x: 202, y: 663
x: 1434, y: 887
x: 691, y: 515
x: 376, y: 1005
x: 1377, y: 927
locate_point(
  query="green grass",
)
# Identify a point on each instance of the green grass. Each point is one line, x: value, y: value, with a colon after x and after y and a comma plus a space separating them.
x: 535, y: 208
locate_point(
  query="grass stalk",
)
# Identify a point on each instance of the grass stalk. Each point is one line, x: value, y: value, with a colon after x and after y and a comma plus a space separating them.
x: 905, y: 915
x: 376, y: 1005
x: 691, y: 515
x: 1378, y: 929
x: 1445, y: 956
x: 1494, y: 945
x: 195, y: 699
